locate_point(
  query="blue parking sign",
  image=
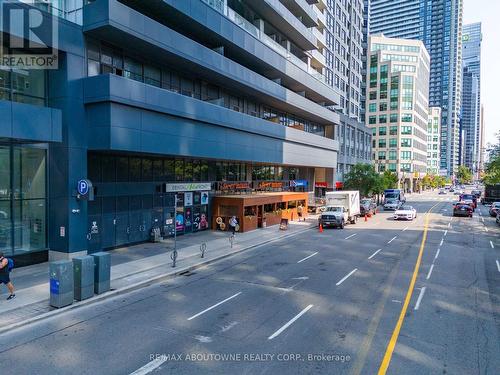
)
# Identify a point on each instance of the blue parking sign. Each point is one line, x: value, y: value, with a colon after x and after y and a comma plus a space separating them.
x: 83, y: 187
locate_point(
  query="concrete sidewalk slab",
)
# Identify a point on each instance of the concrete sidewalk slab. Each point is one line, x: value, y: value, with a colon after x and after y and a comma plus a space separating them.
x: 31, y: 302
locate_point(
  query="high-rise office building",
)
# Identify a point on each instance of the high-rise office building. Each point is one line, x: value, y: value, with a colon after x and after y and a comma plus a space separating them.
x: 433, y: 141
x: 438, y: 23
x: 340, y: 24
x: 471, y: 95
x: 397, y: 106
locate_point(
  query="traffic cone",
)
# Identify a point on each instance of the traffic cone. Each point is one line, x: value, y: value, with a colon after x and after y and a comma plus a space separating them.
x: 320, y: 228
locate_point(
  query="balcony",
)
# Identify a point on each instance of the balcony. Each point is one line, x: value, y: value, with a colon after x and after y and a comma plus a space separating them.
x: 302, y: 10
x: 320, y: 37
x: 321, y: 17
x: 318, y: 61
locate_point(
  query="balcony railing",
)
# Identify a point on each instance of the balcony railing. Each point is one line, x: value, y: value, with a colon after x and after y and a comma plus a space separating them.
x: 250, y: 28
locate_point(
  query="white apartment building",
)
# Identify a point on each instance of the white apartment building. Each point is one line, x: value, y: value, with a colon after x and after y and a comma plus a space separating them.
x: 433, y: 140
x: 397, y: 102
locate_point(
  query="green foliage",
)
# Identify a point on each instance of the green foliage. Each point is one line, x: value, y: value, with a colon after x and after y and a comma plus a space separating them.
x: 492, y: 175
x: 464, y: 175
x: 389, y: 180
x: 362, y: 177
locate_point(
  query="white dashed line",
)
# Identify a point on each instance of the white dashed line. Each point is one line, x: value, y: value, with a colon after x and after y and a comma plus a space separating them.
x: 430, y: 272
x: 449, y: 225
x: 392, y: 239
x: 352, y: 235
x: 307, y: 257
x: 445, y: 232
x: 346, y: 276
x: 485, y: 229
x: 482, y: 219
x: 278, y: 332
x: 441, y: 243
x: 491, y: 244
x: 419, y: 299
x: 498, y: 266
x: 437, y: 253
x: 214, y: 306
x: 405, y: 228
x: 375, y: 253
x: 151, y: 366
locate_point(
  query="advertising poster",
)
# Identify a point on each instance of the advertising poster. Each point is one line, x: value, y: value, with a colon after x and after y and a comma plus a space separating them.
x: 196, y: 219
x: 204, y: 197
x: 179, y: 220
x: 188, y: 199
x: 188, y: 219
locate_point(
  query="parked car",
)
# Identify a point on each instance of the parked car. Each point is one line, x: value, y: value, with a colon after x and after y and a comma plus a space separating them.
x: 462, y: 209
x: 392, y: 204
x: 334, y: 216
x: 498, y: 218
x: 477, y: 193
x: 367, y: 207
x: 405, y: 212
x: 442, y: 191
x: 495, y: 207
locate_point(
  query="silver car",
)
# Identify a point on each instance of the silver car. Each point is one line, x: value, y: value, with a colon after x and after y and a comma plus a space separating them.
x: 392, y: 204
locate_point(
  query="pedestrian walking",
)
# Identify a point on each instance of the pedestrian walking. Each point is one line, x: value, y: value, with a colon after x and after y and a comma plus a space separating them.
x: 233, y: 222
x: 300, y: 210
x: 5, y: 269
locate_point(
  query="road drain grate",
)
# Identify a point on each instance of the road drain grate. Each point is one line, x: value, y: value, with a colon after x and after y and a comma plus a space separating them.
x: 187, y: 273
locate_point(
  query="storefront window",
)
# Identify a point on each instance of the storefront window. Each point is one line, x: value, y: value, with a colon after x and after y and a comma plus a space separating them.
x: 22, y: 199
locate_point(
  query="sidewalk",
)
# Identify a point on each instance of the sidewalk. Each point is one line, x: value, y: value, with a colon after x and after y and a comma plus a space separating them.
x: 134, y: 267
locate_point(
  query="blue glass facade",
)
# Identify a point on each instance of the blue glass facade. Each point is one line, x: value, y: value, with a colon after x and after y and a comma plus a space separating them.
x: 150, y: 94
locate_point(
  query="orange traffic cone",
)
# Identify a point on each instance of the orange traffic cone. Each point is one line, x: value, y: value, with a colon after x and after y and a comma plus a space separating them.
x: 320, y: 228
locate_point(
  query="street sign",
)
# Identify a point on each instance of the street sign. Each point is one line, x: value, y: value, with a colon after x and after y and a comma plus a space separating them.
x: 83, y: 187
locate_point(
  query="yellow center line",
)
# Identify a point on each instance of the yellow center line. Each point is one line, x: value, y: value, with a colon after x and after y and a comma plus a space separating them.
x: 395, y: 334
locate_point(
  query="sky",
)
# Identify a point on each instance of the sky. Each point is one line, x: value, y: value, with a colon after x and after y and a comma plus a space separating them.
x: 488, y: 13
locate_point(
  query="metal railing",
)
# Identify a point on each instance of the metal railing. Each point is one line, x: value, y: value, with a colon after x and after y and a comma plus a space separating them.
x: 250, y: 28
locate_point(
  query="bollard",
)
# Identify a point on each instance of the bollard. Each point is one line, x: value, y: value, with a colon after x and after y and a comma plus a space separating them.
x: 61, y: 283
x: 173, y: 256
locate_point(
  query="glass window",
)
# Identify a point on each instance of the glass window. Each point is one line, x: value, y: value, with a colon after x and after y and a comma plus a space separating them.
x: 393, y: 130
x: 152, y: 75
x: 382, y: 119
x: 406, y: 117
x: 406, y: 130
x: 372, y: 107
x: 393, y: 142
x: 405, y: 142
x: 122, y: 169
x: 135, y: 169
x: 382, y: 130
x: 372, y: 120
x: 394, y: 117
x: 179, y: 170
x: 132, y: 69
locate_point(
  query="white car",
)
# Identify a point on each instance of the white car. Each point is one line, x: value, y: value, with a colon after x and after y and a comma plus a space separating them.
x: 405, y: 212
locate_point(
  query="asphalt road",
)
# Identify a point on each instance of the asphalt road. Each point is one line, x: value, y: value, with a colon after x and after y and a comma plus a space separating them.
x: 325, y: 303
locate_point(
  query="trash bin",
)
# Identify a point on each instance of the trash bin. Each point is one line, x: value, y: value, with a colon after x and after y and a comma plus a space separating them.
x: 61, y: 283
x: 102, y: 272
x: 83, y: 271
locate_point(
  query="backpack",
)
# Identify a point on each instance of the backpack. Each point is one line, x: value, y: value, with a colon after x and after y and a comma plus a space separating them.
x: 10, y: 264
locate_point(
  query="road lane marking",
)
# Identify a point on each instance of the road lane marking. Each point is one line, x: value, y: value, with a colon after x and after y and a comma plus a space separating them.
x: 419, y: 299
x: 498, y: 266
x: 485, y: 229
x: 151, y: 366
x: 482, y: 219
x: 278, y: 332
x: 313, y: 254
x: 392, y: 239
x: 384, y: 365
x: 375, y: 253
x: 405, y: 228
x: 445, y: 232
x: 430, y: 272
x: 441, y: 243
x: 491, y: 244
x: 437, y: 253
x: 449, y: 225
x: 352, y: 235
x: 214, y: 306
x: 346, y: 276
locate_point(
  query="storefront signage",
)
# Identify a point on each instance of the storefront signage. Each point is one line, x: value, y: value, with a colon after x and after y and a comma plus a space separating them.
x: 188, y: 199
x: 339, y: 185
x: 228, y: 186
x: 321, y: 184
x: 188, y: 186
x: 270, y: 185
x: 298, y: 183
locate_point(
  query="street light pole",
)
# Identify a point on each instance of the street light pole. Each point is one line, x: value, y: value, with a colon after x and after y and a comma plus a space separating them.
x: 174, y: 253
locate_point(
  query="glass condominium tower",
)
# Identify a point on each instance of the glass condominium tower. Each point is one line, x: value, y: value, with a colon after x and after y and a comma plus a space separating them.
x: 438, y: 23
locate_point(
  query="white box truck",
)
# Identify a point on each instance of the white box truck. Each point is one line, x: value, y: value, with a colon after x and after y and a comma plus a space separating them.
x: 342, y: 207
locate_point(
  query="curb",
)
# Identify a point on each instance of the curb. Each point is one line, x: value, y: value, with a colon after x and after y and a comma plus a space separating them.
x: 141, y: 284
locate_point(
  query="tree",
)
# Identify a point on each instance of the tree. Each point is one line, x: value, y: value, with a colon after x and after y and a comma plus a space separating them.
x: 389, y: 180
x: 362, y: 177
x: 464, y: 174
x: 428, y: 181
x: 492, y: 170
